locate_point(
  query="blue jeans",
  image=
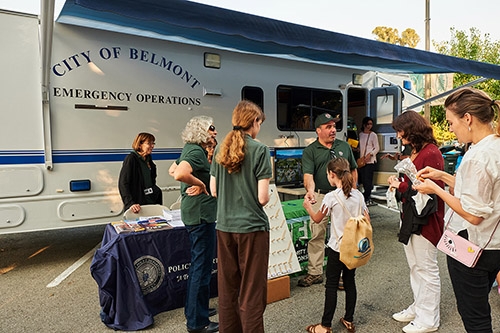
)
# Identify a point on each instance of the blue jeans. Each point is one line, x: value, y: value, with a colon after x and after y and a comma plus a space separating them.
x: 202, y: 237
x: 472, y: 287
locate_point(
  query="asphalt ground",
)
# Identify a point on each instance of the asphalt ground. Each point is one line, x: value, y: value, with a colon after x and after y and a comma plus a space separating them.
x: 30, y: 262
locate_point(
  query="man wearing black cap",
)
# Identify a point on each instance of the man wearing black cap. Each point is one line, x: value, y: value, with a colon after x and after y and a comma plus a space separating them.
x: 314, y: 161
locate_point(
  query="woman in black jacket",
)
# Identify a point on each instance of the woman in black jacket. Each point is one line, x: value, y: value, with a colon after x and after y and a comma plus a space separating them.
x: 137, y: 182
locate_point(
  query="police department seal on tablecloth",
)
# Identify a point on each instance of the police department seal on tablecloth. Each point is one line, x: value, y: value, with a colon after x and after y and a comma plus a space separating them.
x: 150, y: 273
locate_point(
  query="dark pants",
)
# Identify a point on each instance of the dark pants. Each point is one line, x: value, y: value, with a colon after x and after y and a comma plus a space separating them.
x: 366, y: 179
x: 202, y: 239
x: 472, y: 287
x: 242, y: 281
x: 334, y: 268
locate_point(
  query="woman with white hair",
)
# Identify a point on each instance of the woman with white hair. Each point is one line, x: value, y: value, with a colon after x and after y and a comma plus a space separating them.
x: 198, y: 212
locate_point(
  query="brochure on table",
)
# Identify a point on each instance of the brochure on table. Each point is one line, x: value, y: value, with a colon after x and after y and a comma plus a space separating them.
x: 167, y: 220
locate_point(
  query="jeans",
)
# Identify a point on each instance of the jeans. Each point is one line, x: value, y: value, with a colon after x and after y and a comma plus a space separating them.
x: 472, y: 287
x: 202, y: 237
x: 366, y: 178
x: 333, y: 270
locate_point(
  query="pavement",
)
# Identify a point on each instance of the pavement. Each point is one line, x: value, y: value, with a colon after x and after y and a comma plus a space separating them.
x: 383, y: 289
x: 28, y: 305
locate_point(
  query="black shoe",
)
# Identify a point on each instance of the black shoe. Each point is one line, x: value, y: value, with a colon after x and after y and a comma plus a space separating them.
x: 212, y: 312
x: 211, y: 328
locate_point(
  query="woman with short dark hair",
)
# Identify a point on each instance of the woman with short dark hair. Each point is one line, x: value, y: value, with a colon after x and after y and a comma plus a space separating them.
x: 137, y: 180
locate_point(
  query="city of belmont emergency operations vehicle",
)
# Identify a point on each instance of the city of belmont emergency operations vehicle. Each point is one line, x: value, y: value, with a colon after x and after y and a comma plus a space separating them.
x: 75, y: 93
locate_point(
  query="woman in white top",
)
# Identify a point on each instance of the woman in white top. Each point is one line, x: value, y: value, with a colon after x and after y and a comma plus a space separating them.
x: 474, y: 207
x: 368, y: 146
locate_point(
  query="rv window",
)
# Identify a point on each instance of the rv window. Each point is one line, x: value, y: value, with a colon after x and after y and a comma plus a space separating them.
x: 385, y: 109
x: 298, y: 107
x: 253, y: 94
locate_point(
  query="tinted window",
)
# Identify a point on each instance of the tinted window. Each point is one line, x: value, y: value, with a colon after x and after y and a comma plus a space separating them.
x: 298, y: 107
x: 253, y: 94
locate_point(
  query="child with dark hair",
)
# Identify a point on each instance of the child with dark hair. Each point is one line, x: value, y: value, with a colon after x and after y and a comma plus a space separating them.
x: 339, y: 175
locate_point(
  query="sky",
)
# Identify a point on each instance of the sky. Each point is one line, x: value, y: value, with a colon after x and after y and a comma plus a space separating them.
x: 356, y: 18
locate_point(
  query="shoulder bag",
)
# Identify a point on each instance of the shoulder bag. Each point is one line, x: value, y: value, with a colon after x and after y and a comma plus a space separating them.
x: 459, y: 248
x: 361, y: 162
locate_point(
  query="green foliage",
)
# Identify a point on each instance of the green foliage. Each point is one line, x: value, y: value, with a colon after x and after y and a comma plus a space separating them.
x: 470, y: 45
x: 473, y: 46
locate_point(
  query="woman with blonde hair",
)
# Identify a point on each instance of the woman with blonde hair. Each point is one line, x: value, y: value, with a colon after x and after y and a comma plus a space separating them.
x: 137, y: 180
x: 198, y: 212
x: 473, y: 213
x: 240, y: 176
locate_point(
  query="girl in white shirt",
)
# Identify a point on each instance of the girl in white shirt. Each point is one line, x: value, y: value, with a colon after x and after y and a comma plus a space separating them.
x: 339, y: 175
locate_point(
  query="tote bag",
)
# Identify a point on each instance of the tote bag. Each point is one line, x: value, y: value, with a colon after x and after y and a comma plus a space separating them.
x: 356, y: 247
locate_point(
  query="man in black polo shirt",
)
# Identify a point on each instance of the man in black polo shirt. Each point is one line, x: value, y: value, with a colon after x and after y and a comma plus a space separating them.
x: 314, y: 161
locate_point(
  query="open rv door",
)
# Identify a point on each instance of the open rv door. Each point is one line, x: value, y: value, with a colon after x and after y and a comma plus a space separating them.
x: 385, y: 105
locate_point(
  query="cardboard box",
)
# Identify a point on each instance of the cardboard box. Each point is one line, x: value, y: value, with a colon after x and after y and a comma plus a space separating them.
x: 278, y: 289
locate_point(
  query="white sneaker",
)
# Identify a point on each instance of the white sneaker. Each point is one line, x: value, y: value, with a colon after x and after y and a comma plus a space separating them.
x: 403, y: 316
x: 414, y: 328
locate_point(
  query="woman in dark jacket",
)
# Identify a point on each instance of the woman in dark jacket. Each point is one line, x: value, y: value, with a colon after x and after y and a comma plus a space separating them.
x: 137, y: 182
x: 420, y: 231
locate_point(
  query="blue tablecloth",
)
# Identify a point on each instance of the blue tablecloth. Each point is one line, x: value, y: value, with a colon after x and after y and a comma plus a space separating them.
x: 142, y: 274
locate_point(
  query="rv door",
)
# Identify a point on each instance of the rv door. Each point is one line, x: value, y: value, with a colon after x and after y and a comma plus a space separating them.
x: 385, y: 105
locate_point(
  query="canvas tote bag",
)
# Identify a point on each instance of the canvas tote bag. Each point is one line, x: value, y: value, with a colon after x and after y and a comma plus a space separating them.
x: 356, y: 247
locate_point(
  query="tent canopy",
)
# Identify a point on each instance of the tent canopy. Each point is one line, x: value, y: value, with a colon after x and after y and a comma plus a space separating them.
x: 199, y: 24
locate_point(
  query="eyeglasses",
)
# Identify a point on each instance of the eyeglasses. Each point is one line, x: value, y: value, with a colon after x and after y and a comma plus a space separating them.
x: 332, y: 154
x: 211, y: 128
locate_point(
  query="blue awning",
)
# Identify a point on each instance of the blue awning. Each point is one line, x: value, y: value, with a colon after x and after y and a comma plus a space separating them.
x: 194, y: 23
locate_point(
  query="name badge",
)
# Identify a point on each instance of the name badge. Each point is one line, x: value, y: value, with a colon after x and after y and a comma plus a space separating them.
x: 148, y: 191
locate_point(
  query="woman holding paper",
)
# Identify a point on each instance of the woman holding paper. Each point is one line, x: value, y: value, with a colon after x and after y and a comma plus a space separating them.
x: 421, y: 225
x: 470, y: 114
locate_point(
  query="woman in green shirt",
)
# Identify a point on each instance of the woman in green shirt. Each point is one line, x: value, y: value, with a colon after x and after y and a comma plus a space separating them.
x: 198, y: 212
x: 240, y: 177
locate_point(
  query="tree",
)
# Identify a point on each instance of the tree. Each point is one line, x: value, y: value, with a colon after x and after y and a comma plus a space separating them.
x: 472, y: 46
x: 409, y: 37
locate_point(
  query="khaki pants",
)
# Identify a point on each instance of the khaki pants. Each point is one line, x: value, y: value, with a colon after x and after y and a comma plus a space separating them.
x: 316, y: 245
